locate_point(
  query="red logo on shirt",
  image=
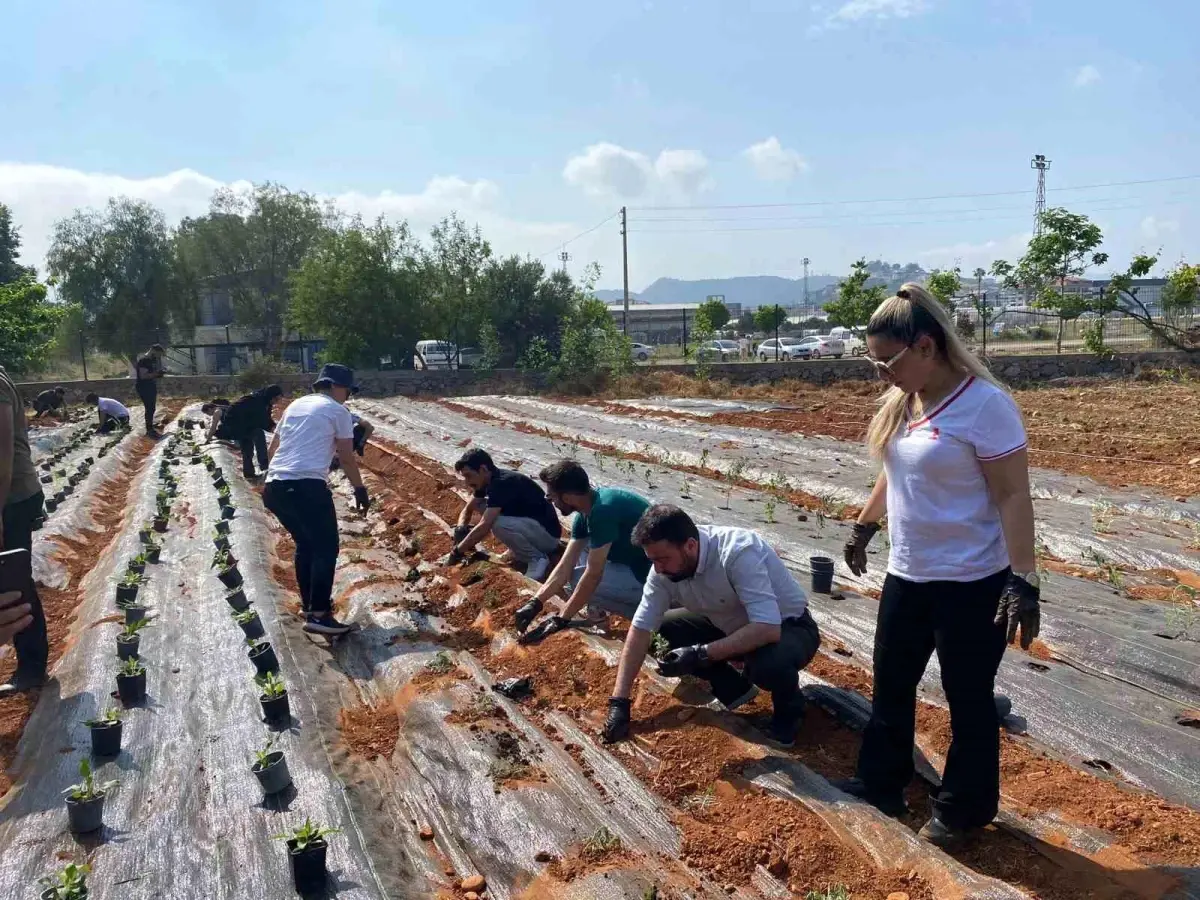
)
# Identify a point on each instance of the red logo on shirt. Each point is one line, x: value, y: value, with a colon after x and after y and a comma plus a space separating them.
x: 933, y: 433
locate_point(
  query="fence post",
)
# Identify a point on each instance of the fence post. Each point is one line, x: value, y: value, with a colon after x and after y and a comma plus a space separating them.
x: 83, y: 354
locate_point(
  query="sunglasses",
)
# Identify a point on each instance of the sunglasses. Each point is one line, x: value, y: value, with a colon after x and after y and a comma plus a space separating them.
x: 884, y: 367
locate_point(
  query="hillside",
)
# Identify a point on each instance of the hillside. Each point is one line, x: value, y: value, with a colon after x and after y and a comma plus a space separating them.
x: 750, y: 291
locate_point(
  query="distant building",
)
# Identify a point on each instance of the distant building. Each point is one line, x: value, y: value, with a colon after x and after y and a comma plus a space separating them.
x: 218, y: 347
x: 663, y: 323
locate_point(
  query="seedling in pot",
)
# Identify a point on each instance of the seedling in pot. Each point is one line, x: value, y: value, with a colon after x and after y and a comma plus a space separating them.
x: 137, y: 565
x: 221, y: 542
x: 250, y: 623
x: 262, y: 654
x: 60, y: 495
x: 131, y: 682
x: 106, y: 733
x: 153, y: 553
x: 221, y: 528
x: 306, y: 850
x: 146, y: 533
x: 227, y: 570
x: 129, y: 640
x: 223, y: 559
x: 237, y: 600
x: 271, y: 769
x: 68, y: 884
x: 127, y: 588
x: 161, y: 521
x: 85, y: 801
x: 51, y: 504
x: 227, y: 512
x: 274, y: 698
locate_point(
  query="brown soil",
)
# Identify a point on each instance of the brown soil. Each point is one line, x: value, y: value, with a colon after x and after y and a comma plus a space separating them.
x: 370, y: 731
x: 581, y: 861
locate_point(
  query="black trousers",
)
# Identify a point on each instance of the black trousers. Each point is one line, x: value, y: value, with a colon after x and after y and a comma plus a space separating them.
x: 955, y: 619
x: 111, y: 423
x: 305, y: 509
x: 31, y: 645
x: 253, y: 444
x: 147, y: 391
x: 773, y: 667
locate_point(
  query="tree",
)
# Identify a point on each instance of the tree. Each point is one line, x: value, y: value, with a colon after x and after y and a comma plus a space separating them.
x: 521, y: 302
x: 1180, y: 296
x: 359, y: 288
x: 716, y: 312
x: 27, y: 324
x: 591, y: 341
x: 768, y: 318
x: 117, y: 265
x: 856, y: 301
x: 10, y: 249
x: 746, y: 323
x: 944, y: 285
x: 452, y: 267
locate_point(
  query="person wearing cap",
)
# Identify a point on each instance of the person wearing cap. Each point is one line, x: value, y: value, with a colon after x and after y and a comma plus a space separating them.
x: 149, y: 368
x: 718, y: 595
x: 49, y: 401
x: 313, y: 428
x: 246, y: 422
x: 112, y: 413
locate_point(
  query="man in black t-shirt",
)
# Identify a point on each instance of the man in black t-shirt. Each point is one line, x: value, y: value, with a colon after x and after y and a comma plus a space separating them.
x: 149, y: 370
x: 52, y: 400
x: 247, y: 421
x: 513, y: 508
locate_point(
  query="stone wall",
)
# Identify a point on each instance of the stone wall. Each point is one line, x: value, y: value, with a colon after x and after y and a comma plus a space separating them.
x: 446, y: 383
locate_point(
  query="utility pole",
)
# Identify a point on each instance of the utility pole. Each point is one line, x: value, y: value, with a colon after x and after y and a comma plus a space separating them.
x: 805, y: 261
x: 1041, y: 164
x: 625, y: 267
x: 565, y: 257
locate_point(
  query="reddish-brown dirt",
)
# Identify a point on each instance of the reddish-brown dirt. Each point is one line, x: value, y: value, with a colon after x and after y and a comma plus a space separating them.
x: 370, y: 731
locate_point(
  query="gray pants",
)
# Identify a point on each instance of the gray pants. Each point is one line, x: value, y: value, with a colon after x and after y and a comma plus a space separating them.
x: 619, y: 591
x: 526, y: 538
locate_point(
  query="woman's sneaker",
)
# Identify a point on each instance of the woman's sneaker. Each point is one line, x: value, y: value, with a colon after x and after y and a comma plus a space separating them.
x: 326, y: 625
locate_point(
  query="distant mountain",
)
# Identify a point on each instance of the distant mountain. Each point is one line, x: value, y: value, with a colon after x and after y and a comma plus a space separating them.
x: 750, y: 291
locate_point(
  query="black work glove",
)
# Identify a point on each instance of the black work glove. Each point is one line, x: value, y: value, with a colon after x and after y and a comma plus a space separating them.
x: 543, y: 630
x: 526, y: 613
x: 460, y: 532
x: 361, y: 499
x: 1020, y: 605
x: 683, y: 661
x: 616, y: 726
x: 855, y: 549
x: 455, y: 556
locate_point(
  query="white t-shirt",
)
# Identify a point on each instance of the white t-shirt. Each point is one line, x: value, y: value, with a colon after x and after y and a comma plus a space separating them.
x: 307, y: 432
x: 113, y: 408
x: 942, y: 523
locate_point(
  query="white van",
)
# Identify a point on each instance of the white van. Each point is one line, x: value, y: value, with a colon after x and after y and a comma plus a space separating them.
x: 435, y: 355
x: 853, y: 343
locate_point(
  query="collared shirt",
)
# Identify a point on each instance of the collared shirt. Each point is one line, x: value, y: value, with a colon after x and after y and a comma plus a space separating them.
x: 739, y: 579
x: 112, y: 407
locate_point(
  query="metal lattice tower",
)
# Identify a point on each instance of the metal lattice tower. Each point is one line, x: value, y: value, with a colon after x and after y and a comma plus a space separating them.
x: 805, y: 262
x: 1040, y: 163
x: 565, y: 257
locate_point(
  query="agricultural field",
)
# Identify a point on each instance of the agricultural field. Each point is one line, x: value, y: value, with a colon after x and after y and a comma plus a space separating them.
x: 444, y: 787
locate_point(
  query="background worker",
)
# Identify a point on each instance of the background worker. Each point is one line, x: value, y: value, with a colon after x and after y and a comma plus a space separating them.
x: 513, y: 508
x: 962, y: 575
x: 246, y: 421
x: 362, y: 433
x: 148, y: 369
x: 51, y: 400
x: 607, y: 572
x: 111, y: 413
x: 21, y: 503
x: 737, y: 602
x: 312, y: 429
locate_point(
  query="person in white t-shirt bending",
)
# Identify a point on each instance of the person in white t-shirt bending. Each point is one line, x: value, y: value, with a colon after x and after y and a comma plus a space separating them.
x: 312, y: 429
x: 961, y: 575
x: 112, y: 413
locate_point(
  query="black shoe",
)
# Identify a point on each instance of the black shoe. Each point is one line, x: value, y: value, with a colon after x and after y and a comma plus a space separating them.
x: 943, y: 836
x: 326, y: 624
x: 785, y: 722
x: 23, y: 681
x: 889, y: 804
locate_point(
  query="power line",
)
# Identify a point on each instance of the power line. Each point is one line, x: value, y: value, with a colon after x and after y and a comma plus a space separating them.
x: 563, y: 244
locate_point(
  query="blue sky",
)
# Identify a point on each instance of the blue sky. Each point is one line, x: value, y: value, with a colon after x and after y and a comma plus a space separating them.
x: 539, y: 119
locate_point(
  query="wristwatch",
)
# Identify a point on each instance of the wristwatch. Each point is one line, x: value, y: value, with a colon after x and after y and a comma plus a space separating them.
x: 1030, y: 578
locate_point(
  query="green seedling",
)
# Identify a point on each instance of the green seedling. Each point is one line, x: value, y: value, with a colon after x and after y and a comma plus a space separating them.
x: 260, y: 756
x: 133, y: 629
x: 131, y: 668
x: 599, y: 459
x: 732, y: 476
x: 68, y: 884
x: 222, y: 560
x: 130, y: 579
x: 704, y: 454
x: 659, y: 646
x: 836, y: 892
x: 649, y: 476
x: 685, y: 489
x: 602, y: 841
x: 769, y: 510
x: 703, y: 800
x: 89, y: 788
x: 110, y: 716
x: 271, y: 685
x: 245, y: 617
x: 305, y: 834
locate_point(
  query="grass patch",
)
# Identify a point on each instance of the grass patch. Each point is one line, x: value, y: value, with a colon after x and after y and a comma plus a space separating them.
x: 441, y: 664
x: 603, y: 841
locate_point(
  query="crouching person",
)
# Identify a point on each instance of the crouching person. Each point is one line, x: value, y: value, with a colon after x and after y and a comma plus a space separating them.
x: 110, y: 413
x: 738, y: 603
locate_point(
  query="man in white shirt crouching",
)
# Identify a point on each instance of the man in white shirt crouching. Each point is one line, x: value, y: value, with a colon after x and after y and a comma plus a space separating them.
x: 111, y: 413
x: 739, y: 603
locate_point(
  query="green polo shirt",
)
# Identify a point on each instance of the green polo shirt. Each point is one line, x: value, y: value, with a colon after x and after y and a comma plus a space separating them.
x: 614, y: 514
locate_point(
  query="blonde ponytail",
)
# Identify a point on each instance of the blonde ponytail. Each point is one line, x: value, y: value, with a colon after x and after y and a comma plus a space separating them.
x: 905, y: 317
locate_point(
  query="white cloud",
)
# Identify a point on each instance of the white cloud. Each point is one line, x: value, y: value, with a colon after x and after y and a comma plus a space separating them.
x: 608, y: 170
x: 774, y: 162
x: 1085, y: 76
x: 970, y: 256
x: 1153, y: 228
x: 858, y: 10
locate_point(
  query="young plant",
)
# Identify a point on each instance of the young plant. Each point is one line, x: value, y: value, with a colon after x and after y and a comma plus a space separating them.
x: 261, y: 757
x: 769, y: 509
x: 834, y: 892
x: 271, y: 685
x: 133, y: 629
x: 89, y: 788
x: 110, y: 716
x: 732, y: 476
x: 131, y: 668
x: 68, y: 884
x: 649, y: 476
x: 704, y: 454
x: 132, y: 579
x: 440, y: 664
x: 602, y: 841
x: 685, y: 489
x: 307, y: 833
x: 139, y: 560
x: 659, y: 646
x: 221, y: 560
x: 245, y: 617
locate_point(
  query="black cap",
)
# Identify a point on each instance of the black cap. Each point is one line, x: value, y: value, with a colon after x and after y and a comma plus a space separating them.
x: 335, y: 374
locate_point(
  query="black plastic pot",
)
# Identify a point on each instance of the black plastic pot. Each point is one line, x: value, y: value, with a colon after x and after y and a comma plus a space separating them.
x: 74, y: 479
x: 127, y: 593
x: 222, y: 527
x: 60, y: 495
x: 136, y: 567
x: 226, y: 512
x: 263, y: 657
x: 51, y: 504
x: 160, y: 524
x: 46, y: 479
x: 276, y: 709
x: 86, y: 815
x: 308, y: 866
x: 153, y: 555
x: 822, y: 574
x: 219, y: 482
x: 106, y: 738
x: 127, y: 648
x: 237, y: 600
x: 274, y: 776
x: 144, y: 535
x: 88, y: 460
x: 253, y: 628
x: 68, y: 490
x: 195, y: 458
x: 134, y: 613
x: 131, y: 688
x: 230, y: 577
x: 221, y: 542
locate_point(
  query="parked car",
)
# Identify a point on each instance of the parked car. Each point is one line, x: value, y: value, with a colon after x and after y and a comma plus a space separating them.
x: 444, y: 355
x: 469, y: 357
x: 789, y: 348
x: 641, y: 352
x: 723, y: 350
x: 854, y: 344
x: 824, y: 345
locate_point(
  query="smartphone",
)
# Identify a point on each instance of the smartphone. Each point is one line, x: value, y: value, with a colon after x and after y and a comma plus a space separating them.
x: 16, y: 572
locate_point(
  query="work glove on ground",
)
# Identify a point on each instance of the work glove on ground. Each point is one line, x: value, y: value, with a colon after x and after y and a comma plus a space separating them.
x: 460, y: 532
x: 855, y: 549
x: 526, y: 613
x: 362, y: 501
x: 616, y: 726
x: 543, y: 630
x: 683, y: 661
x: 1019, y: 606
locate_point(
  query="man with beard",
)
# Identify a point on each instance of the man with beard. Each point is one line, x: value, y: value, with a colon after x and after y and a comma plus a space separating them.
x: 737, y: 602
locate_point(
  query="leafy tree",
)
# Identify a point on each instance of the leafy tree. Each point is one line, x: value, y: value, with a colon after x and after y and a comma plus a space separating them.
x: 536, y: 357
x: 117, y: 265
x: 768, y: 318
x: 10, y: 249
x: 490, y: 350
x: 591, y: 341
x: 716, y: 312
x: 1180, y: 296
x: 520, y: 302
x: 451, y: 269
x: 359, y: 288
x: 944, y: 285
x: 855, y: 301
x: 746, y: 323
x: 27, y: 324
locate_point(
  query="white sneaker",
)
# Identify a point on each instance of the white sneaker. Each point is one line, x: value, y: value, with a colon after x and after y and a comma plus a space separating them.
x: 537, y: 568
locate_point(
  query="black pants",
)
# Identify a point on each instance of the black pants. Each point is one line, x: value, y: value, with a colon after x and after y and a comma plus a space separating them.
x: 31, y: 645
x: 956, y: 619
x: 773, y: 667
x: 112, y: 422
x: 147, y: 391
x: 305, y: 509
x: 253, y: 444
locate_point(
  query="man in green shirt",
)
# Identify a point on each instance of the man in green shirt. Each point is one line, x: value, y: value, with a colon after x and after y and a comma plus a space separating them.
x: 606, y: 570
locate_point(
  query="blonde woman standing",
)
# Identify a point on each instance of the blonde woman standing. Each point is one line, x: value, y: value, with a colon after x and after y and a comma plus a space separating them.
x: 961, y: 573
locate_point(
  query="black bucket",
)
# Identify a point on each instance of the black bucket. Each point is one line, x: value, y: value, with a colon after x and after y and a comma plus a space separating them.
x: 131, y: 688
x: 822, y: 574
x: 106, y: 739
x: 263, y: 657
x: 273, y: 777
x: 308, y: 866
x: 276, y: 709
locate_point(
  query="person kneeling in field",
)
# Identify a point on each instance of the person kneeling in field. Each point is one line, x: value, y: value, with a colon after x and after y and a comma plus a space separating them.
x: 246, y: 422
x: 739, y: 602
x: 606, y: 571
x: 112, y: 413
x: 513, y: 508
x: 53, y: 400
